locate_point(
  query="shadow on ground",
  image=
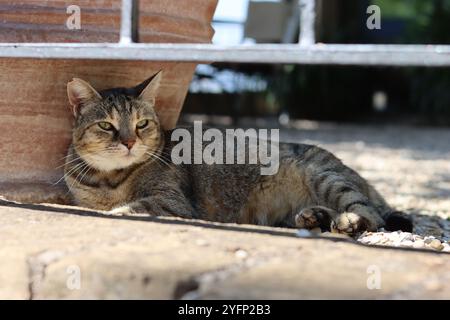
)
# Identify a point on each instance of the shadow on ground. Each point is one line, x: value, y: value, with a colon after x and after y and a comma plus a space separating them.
x: 272, y: 231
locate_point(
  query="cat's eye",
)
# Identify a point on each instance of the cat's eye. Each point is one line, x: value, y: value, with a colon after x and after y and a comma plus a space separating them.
x: 106, y: 126
x: 142, y: 124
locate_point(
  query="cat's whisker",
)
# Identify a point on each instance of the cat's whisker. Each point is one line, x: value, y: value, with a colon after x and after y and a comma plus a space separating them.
x: 162, y: 152
x: 68, y: 162
x: 65, y: 157
x: 155, y: 156
x: 163, y: 156
x: 80, y: 173
x: 79, y: 166
x: 66, y: 174
x: 87, y: 171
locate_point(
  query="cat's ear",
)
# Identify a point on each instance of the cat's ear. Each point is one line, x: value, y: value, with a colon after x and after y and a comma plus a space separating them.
x: 148, y: 89
x: 79, y: 92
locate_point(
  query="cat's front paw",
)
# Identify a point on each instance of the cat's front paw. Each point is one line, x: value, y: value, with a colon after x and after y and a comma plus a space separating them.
x: 352, y: 224
x: 313, y: 217
x: 132, y: 209
x: 121, y: 211
x: 308, y: 219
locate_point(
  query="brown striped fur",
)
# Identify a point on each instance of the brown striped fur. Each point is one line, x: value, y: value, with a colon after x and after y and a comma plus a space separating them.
x: 311, y: 189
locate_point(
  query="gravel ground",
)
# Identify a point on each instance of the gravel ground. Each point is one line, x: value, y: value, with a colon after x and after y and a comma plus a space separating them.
x: 409, y: 166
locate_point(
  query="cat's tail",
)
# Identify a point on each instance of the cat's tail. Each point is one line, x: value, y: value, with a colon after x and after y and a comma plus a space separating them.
x: 393, y: 220
x: 398, y: 220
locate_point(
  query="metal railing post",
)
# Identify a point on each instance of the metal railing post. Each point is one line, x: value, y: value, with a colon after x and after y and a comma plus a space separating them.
x: 307, y: 22
x: 128, y: 21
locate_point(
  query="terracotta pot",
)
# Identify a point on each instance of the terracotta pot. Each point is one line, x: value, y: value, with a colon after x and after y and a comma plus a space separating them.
x: 35, y: 122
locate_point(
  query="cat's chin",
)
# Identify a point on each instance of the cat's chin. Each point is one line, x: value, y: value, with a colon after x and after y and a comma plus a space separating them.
x: 111, y: 163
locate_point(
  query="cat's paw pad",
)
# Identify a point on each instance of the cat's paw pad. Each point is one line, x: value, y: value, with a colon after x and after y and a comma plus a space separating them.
x: 352, y: 224
x: 309, y: 218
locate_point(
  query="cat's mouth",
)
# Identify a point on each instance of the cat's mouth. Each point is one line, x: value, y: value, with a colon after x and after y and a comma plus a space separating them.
x: 125, y: 152
x: 113, y: 160
x: 128, y: 155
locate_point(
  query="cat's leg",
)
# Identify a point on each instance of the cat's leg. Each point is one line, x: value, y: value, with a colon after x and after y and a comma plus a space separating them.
x: 157, y: 205
x: 315, y: 217
x: 356, y: 213
x: 394, y: 220
x: 333, y: 185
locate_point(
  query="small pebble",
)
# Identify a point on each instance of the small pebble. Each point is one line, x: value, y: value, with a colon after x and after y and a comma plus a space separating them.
x: 201, y: 242
x: 405, y: 236
x: 436, y: 244
x: 303, y: 233
x: 241, y: 254
x: 419, y: 244
x: 407, y: 243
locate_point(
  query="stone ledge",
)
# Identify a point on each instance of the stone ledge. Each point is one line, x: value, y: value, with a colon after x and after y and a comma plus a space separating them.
x: 43, y: 247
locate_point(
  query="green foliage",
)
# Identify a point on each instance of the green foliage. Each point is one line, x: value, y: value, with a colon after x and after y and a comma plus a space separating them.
x: 416, y: 10
x: 334, y: 92
x: 427, y: 21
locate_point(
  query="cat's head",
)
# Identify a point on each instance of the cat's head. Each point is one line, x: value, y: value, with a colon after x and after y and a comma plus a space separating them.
x: 115, y: 128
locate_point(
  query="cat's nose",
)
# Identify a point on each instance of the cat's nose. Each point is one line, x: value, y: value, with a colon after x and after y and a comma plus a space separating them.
x: 129, y: 143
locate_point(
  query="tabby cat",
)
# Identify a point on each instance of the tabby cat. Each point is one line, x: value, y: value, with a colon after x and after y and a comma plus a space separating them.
x: 119, y: 161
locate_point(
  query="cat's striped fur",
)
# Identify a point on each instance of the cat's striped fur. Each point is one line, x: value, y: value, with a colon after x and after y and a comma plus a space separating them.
x: 311, y: 189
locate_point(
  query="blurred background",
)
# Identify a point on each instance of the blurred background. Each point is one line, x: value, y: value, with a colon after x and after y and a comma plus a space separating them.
x: 419, y: 96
